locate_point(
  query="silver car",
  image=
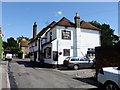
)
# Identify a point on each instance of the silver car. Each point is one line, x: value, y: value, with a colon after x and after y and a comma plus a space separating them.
x: 76, y: 62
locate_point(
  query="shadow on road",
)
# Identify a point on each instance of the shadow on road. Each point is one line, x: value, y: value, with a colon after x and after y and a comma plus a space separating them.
x: 62, y: 68
x: 89, y: 80
x: 34, y: 65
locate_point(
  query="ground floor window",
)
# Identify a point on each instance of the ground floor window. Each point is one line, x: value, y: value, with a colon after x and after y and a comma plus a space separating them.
x: 55, y: 55
x: 47, y: 52
x: 66, y: 52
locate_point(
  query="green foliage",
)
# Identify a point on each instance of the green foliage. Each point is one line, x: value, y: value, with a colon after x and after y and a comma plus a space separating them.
x: 95, y: 23
x: 0, y: 49
x: 5, y: 44
x: 20, y: 38
x: 20, y: 51
x: 11, y: 46
x: 107, y: 34
x: 27, y: 56
x: 11, y: 42
x: 14, y: 50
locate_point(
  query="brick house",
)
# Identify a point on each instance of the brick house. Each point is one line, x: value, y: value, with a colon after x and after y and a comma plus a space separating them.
x: 23, y: 44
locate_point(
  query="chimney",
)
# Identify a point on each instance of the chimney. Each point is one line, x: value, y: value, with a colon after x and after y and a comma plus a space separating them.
x: 34, y: 30
x: 77, y: 20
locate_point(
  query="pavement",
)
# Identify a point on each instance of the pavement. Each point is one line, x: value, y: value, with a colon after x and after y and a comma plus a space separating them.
x: 4, y: 78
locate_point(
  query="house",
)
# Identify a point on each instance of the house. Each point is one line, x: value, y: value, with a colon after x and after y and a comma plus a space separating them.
x: 62, y: 39
x: 23, y: 44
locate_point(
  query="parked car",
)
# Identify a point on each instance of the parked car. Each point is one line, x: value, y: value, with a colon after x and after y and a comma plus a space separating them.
x: 76, y: 62
x: 109, y: 77
x: 8, y: 57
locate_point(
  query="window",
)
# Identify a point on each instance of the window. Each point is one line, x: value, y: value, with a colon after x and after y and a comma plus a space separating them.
x: 118, y: 68
x: 50, y: 36
x: 66, y: 35
x: 36, y: 43
x: 67, y: 59
x: 66, y: 52
x: 84, y: 59
x: 55, y: 55
x: 47, y: 52
x: 45, y: 38
x: 74, y: 59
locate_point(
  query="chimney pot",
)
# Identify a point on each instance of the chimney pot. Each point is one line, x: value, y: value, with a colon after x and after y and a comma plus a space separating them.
x: 77, y: 20
x: 34, y: 30
x: 77, y: 14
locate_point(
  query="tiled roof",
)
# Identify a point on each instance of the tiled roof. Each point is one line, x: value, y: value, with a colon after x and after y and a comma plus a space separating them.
x: 43, y: 31
x: 86, y: 25
x: 46, y: 28
x: 65, y: 22
x: 24, y: 43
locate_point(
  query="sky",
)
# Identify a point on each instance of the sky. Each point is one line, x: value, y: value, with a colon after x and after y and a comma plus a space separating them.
x: 18, y: 17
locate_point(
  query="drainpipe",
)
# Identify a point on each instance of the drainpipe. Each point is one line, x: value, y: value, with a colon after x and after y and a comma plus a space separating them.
x: 57, y: 53
x: 38, y: 48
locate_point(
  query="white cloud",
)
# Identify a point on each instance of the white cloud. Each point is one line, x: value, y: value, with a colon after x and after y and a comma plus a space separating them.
x: 59, y: 12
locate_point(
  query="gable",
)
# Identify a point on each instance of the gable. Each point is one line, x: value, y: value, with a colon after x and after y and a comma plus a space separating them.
x: 65, y: 22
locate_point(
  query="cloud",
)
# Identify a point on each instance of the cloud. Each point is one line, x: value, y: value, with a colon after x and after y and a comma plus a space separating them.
x: 59, y: 13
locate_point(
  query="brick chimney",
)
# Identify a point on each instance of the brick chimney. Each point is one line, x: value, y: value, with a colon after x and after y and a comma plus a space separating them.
x: 77, y: 20
x: 34, y: 30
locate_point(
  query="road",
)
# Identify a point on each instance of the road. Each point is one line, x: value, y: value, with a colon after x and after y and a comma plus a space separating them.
x: 23, y: 74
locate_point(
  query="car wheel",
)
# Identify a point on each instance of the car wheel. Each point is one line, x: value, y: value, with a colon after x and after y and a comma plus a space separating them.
x: 75, y: 67
x: 110, y: 86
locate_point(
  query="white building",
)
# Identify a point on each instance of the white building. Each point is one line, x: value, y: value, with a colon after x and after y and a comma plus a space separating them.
x: 62, y: 39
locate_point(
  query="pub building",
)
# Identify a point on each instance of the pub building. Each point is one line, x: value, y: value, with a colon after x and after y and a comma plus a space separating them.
x: 63, y: 39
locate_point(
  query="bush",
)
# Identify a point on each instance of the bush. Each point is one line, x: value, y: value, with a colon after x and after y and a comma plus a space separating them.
x: 27, y: 56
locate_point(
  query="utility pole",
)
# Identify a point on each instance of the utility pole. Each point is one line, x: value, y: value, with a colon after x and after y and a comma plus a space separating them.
x: 0, y: 44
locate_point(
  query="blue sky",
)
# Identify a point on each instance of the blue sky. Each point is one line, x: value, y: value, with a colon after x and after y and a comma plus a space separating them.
x: 18, y: 17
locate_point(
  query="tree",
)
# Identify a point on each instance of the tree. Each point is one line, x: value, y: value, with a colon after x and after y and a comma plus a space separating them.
x: 107, y: 34
x: 95, y: 23
x: 14, y: 50
x: 11, y: 42
x: 5, y: 44
x: 11, y: 46
x: 20, y: 38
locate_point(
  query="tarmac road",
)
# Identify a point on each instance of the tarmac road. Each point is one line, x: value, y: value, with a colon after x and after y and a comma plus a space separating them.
x: 23, y: 74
